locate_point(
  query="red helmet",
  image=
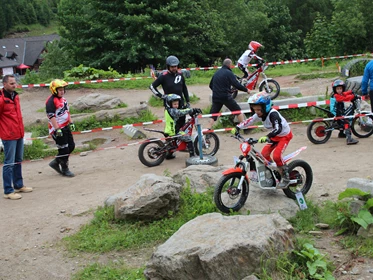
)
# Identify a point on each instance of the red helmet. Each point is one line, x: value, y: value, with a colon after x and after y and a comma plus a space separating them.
x: 338, y: 83
x: 254, y: 46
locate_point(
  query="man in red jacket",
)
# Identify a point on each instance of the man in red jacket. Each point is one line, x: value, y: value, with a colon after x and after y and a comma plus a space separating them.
x: 11, y: 134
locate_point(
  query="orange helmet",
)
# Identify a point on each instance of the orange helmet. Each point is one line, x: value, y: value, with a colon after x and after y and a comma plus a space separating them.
x: 254, y: 46
x: 55, y: 84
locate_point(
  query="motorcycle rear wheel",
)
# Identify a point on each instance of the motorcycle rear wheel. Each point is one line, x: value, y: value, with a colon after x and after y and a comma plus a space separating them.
x: 210, y: 144
x: 227, y: 196
x: 273, y: 88
x: 362, y: 127
x: 316, y: 132
x: 150, y: 153
x: 302, y: 171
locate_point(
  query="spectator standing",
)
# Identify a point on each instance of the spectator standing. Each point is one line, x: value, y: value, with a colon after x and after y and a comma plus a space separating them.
x: 12, y: 133
x: 368, y: 80
x: 221, y: 84
x: 60, y: 126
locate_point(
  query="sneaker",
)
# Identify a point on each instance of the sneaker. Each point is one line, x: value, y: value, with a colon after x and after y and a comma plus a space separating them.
x: 23, y: 189
x: 12, y: 196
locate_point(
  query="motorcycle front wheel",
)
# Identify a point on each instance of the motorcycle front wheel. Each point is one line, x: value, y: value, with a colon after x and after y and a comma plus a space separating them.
x: 271, y: 87
x: 151, y: 153
x: 228, y: 195
x: 302, y: 172
x: 317, y: 132
x: 210, y: 144
x: 362, y: 127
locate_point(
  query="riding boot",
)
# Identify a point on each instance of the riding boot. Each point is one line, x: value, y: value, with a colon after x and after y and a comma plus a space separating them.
x: 65, y: 169
x: 349, y: 139
x: 55, y: 165
x: 284, y: 171
x: 341, y: 134
x: 191, y: 149
x: 170, y: 155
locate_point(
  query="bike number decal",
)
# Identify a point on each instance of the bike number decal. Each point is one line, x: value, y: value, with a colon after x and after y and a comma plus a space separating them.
x: 177, y: 79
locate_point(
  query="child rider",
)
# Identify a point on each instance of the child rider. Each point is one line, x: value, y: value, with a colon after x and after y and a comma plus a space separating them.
x: 172, y: 114
x: 280, y: 134
x: 337, y: 107
x: 60, y: 126
x: 246, y: 57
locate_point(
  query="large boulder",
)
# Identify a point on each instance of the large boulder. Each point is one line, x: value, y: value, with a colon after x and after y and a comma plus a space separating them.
x: 96, y: 101
x: 213, y: 246
x: 122, y: 113
x: 200, y: 176
x: 151, y: 198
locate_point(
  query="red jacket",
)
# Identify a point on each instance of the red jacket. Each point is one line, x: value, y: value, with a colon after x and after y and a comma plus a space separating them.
x: 11, y: 123
x: 346, y: 96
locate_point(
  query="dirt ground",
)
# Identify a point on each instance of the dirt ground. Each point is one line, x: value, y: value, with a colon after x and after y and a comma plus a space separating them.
x: 32, y: 227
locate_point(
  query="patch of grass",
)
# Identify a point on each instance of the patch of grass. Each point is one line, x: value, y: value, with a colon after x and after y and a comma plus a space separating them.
x: 358, y: 246
x: 304, y: 262
x: 111, y: 271
x: 104, y: 233
x: 322, y: 75
x: 36, y: 29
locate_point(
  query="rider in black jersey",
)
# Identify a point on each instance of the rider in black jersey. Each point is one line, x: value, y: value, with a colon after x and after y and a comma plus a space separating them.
x: 172, y: 82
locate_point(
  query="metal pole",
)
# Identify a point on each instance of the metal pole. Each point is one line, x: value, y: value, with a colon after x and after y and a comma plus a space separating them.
x: 200, y: 135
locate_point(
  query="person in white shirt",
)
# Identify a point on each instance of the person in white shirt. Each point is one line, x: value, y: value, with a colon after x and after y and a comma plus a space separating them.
x: 246, y: 57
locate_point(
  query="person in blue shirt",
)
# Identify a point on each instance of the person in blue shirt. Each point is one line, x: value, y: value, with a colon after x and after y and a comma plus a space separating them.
x: 368, y: 80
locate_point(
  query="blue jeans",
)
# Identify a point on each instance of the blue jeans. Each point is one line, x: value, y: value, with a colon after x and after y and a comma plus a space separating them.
x: 12, y: 169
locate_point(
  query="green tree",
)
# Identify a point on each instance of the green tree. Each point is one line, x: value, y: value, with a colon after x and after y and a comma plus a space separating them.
x: 348, y: 26
x: 56, y: 60
x: 129, y: 34
x: 279, y: 41
x: 321, y: 40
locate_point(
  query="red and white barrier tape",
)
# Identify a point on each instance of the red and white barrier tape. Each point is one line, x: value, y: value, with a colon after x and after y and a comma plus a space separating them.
x: 289, y: 106
x: 195, y: 69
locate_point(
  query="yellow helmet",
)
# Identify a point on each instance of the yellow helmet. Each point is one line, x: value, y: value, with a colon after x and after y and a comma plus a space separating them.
x: 55, y: 84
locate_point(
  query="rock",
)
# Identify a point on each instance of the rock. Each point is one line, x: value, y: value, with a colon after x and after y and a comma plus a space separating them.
x: 122, y: 113
x: 362, y: 184
x: 199, y: 176
x: 366, y: 233
x: 315, y: 232
x: 151, y: 198
x: 322, y: 226
x: 213, y: 246
x: 96, y: 101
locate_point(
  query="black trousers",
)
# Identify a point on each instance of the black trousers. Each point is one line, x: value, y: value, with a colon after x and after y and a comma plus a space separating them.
x: 65, y: 145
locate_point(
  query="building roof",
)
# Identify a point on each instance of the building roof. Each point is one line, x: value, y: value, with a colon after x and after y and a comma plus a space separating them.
x: 15, y: 51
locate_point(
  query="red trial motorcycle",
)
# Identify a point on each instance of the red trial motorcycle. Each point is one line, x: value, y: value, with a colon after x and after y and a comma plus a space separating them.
x: 153, y: 152
x: 252, y: 169
x: 269, y: 85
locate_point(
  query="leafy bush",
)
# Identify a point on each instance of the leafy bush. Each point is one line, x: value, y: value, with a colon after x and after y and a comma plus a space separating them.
x: 89, y: 73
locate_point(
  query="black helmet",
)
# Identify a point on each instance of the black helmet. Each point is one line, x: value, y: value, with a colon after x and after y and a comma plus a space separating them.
x: 172, y: 61
x: 170, y: 98
x: 338, y: 83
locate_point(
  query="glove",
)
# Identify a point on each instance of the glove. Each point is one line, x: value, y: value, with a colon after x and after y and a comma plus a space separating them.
x: 59, y: 132
x: 235, y: 131
x: 196, y: 111
x: 72, y: 127
x: 263, y: 139
x: 356, y: 96
x: 162, y: 96
x: 187, y: 105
